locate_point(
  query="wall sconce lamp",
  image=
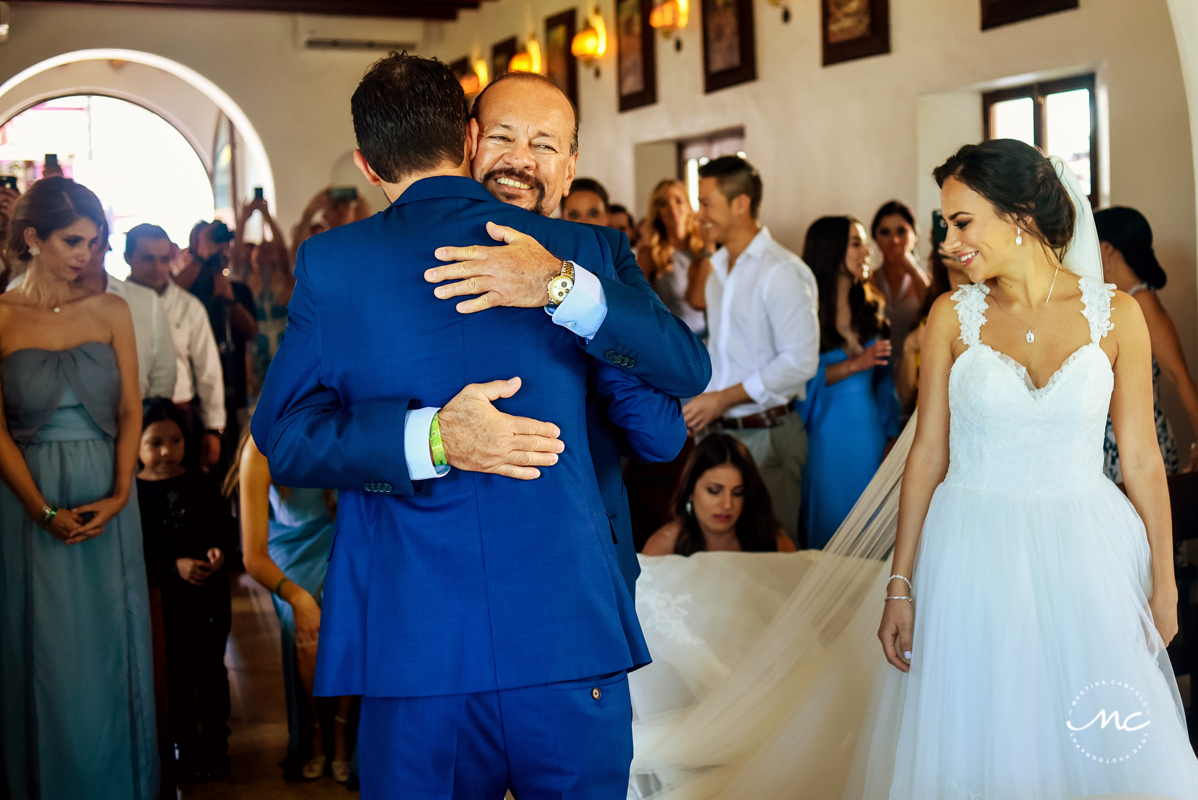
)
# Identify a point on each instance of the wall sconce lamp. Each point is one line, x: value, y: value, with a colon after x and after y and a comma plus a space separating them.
x: 474, y: 82
x: 527, y: 60
x: 590, y: 43
x: 669, y: 16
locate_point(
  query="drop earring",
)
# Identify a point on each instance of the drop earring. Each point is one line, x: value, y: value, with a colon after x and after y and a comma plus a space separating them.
x: 690, y: 509
x: 1018, y: 236
x: 35, y: 251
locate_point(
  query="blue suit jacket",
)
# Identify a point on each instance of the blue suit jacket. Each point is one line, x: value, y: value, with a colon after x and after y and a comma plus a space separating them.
x: 665, y: 353
x: 474, y: 582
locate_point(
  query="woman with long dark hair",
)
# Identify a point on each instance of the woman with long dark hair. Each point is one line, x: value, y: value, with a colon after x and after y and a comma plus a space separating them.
x: 1129, y: 262
x: 851, y: 409
x: 76, y: 671
x: 1027, y: 595
x: 721, y: 503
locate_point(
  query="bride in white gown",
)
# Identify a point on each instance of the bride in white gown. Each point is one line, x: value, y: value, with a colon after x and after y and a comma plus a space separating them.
x: 1027, y: 652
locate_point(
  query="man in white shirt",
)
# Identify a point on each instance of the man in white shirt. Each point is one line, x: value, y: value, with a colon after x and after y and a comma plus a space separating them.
x: 198, y: 371
x: 763, y: 320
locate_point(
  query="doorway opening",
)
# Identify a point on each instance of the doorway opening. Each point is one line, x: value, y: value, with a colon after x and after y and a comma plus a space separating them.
x: 139, y: 165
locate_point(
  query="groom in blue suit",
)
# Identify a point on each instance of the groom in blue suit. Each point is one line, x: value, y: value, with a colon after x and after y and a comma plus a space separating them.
x: 485, y: 620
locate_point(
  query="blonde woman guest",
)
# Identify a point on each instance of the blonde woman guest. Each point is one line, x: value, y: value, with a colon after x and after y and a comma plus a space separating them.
x: 673, y: 255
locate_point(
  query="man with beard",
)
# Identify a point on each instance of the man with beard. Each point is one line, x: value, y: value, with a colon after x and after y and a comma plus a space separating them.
x: 484, y: 621
x: 526, y: 131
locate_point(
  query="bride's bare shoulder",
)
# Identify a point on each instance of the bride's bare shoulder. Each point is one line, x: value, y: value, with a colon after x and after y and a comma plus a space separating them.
x: 661, y: 543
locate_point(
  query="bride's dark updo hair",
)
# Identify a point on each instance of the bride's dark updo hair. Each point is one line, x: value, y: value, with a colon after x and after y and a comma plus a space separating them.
x: 1020, y: 183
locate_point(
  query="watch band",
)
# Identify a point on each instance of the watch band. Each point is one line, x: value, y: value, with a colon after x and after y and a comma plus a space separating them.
x: 435, y: 445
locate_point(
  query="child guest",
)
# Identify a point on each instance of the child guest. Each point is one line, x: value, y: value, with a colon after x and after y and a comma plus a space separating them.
x: 187, y: 530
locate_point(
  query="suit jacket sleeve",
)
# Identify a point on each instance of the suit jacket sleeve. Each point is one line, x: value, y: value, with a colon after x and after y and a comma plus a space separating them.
x: 654, y: 430
x: 663, y: 350
x: 308, y: 434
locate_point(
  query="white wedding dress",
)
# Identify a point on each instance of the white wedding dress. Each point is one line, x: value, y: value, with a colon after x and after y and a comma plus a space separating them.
x: 1032, y: 581
x: 1036, y: 672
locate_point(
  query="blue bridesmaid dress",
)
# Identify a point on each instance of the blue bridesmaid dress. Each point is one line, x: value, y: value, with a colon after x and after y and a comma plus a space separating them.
x: 848, y: 425
x: 301, y: 532
x: 76, y: 671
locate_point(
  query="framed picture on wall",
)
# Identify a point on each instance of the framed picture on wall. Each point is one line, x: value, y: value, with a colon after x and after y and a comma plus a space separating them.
x: 1004, y: 12
x: 561, y: 66
x: 636, y: 65
x: 502, y: 53
x: 729, y: 45
x: 854, y: 29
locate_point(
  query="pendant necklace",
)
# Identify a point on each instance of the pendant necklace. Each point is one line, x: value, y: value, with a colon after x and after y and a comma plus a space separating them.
x: 1031, y: 337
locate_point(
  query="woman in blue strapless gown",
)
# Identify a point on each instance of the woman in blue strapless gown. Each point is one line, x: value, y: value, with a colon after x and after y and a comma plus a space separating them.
x: 286, y: 535
x: 851, y: 409
x: 76, y: 679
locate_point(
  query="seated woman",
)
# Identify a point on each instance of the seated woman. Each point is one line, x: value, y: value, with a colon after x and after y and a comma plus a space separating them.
x: 721, y: 504
x: 851, y: 409
x: 286, y: 535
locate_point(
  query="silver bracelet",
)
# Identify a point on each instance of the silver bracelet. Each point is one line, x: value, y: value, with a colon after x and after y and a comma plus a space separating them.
x: 910, y: 588
x: 901, y: 597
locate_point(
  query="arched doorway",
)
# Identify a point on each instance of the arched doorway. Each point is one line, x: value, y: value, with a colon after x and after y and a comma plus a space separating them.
x: 139, y: 165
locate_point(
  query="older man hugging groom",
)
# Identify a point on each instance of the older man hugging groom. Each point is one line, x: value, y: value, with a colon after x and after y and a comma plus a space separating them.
x: 484, y: 619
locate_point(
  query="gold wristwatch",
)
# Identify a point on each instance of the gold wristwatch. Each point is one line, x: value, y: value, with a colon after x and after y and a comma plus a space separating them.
x: 559, y: 288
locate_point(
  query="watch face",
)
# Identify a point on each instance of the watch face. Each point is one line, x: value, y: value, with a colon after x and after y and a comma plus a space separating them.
x: 559, y: 287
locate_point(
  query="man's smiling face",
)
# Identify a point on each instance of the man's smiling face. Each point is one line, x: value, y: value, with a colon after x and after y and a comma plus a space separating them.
x: 524, y: 132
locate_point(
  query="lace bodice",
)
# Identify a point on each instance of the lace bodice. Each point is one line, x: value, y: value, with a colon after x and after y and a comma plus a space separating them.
x: 1007, y: 435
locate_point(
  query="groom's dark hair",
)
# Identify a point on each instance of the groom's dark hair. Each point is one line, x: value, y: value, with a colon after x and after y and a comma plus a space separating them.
x: 409, y: 115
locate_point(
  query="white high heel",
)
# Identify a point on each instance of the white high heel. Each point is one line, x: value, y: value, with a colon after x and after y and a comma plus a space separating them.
x: 314, y: 767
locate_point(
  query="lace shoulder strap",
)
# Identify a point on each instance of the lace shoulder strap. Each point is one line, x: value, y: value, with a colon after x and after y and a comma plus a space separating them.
x: 971, y: 311
x: 1096, y: 306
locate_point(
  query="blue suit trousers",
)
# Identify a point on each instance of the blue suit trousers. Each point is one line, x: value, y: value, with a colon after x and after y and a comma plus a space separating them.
x: 566, y: 741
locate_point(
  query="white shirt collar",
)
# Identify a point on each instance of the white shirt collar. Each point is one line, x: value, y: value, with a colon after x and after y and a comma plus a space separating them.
x: 719, y: 261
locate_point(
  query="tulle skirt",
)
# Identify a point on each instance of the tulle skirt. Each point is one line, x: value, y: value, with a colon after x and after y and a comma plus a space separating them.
x: 1036, y: 670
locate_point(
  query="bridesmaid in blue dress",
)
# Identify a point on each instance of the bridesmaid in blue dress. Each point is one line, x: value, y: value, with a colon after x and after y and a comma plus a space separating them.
x: 851, y: 410
x: 76, y: 675
x: 286, y: 535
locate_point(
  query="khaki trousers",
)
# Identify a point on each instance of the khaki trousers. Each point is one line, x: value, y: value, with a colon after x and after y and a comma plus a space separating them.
x: 780, y: 453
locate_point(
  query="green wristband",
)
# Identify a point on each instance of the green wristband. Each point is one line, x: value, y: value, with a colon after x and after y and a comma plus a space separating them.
x: 279, y: 585
x: 435, y: 445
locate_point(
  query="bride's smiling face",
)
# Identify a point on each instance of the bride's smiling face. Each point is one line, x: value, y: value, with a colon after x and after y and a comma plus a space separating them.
x: 978, y: 237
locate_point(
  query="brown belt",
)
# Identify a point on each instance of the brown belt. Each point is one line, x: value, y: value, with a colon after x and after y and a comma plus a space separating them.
x: 770, y: 418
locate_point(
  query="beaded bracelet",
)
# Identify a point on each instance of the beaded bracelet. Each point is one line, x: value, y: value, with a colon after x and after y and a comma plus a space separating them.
x: 910, y: 588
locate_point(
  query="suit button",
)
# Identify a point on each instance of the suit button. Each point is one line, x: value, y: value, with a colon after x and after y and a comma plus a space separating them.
x: 612, y: 356
x: 630, y: 362
x: 385, y: 488
x: 595, y: 693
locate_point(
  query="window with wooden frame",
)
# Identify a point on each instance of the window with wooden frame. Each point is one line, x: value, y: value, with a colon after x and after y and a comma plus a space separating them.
x: 1059, y: 118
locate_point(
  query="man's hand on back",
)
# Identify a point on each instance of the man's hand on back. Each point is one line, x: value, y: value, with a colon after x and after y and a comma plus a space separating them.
x: 479, y: 438
x: 515, y: 274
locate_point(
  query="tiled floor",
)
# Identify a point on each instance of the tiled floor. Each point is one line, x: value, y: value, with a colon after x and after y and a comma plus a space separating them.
x: 259, y: 719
